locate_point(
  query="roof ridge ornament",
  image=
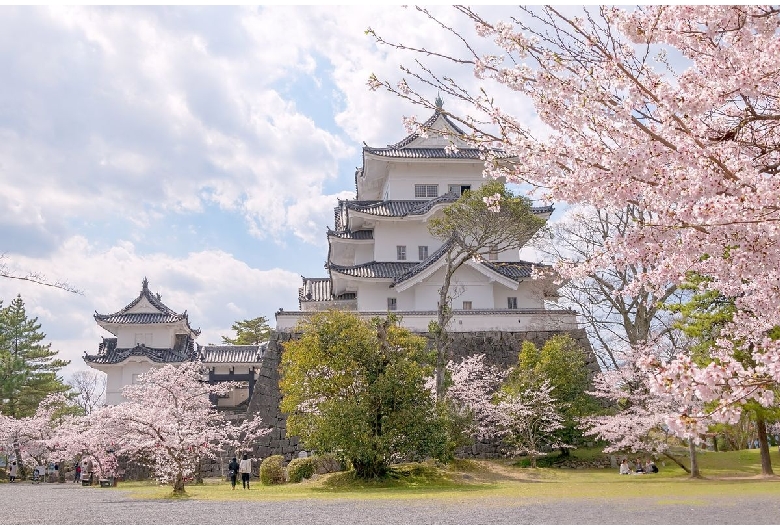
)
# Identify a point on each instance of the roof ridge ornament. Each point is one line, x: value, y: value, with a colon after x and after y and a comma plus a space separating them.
x: 439, y: 102
x: 145, y: 284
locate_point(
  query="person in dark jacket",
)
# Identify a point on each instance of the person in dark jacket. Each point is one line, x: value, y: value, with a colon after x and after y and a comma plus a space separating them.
x: 233, y: 472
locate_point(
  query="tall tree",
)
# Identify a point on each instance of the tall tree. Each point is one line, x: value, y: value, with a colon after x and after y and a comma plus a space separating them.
x: 702, y: 318
x: 167, y: 417
x: 616, y: 318
x: 694, y: 142
x: 359, y: 388
x: 561, y: 364
x: 29, y: 366
x: 249, y: 332
x: 491, y: 218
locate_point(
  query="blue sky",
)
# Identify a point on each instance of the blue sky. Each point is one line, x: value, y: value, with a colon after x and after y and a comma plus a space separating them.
x: 203, y: 148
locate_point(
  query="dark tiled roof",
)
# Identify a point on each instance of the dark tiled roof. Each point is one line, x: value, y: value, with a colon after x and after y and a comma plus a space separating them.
x: 466, y: 153
x: 427, y: 125
x: 233, y: 354
x: 357, y: 234
x: 512, y: 269
x: 374, y: 269
x: 419, y: 267
x: 207, y: 354
x: 166, y: 315
x: 140, y: 318
x: 319, y: 290
x: 315, y: 290
x: 157, y: 355
x: 393, y: 208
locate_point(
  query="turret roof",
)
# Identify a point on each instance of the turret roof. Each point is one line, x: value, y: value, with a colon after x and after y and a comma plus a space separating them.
x: 165, y: 314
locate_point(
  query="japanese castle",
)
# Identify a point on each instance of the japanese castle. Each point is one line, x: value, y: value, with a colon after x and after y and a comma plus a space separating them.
x: 146, y: 333
x: 382, y: 258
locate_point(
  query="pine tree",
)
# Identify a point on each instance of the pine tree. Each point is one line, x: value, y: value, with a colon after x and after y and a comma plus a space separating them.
x: 29, y: 367
x: 249, y: 332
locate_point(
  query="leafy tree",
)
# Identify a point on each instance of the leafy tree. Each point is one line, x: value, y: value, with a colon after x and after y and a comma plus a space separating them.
x: 358, y: 389
x: 561, y: 363
x: 490, y: 218
x: 249, y: 332
x: 694, y: 143
x: 168, y: 417
x: 702, y: 318
x: 29, y: 367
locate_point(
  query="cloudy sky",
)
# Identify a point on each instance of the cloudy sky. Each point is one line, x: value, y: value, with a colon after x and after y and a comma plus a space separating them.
x: 203, y: 148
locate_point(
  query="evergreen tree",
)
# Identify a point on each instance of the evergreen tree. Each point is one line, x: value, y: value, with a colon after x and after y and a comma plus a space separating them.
x: 29, y: 367
x: 249, y: 332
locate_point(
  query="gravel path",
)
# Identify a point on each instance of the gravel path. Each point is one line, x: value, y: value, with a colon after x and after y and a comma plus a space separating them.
x: 73, y: 504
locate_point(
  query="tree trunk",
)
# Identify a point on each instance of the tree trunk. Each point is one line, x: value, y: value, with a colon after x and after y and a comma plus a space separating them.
x: 715, y: 443
x: 440, y: 333
x: 674, y: 459
x: 694, y: 460
x: 178, y: 484
x: 763, y: 443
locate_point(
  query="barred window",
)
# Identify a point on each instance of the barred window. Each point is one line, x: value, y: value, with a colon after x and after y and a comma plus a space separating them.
x: 401, y: 251
x: 426, y: 190
x: 466, y: 305
x: 511, y: 302
x: 493, y: 254
x: 392, y: 304
x: 423, y: 250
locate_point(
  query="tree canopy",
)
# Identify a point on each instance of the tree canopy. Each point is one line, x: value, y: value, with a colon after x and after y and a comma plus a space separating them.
x: 358, y: 389
x: 490, y: 219
x: 29, y: 366
x: 249, y: 332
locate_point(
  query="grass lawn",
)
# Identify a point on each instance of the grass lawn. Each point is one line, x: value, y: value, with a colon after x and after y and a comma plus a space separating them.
x: 727, y: 474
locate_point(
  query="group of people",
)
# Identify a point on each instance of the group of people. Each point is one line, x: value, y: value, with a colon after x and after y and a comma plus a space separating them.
x: 244, y: 467
x: 648, y: 467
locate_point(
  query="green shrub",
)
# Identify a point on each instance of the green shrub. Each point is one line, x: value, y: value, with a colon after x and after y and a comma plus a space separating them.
x: 272, y: 470
x: 324, y: 464
x: 300, y: 468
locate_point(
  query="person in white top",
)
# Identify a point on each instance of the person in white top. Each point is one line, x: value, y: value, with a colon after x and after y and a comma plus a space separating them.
x: 245, y: 468
x: 624, y: 469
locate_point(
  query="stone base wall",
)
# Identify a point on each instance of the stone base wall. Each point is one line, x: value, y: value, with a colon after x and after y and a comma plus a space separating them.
x: 500, y: 348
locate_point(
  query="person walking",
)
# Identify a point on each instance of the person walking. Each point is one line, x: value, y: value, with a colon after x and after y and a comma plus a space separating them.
x: 245, y: 468
x: 12, y: 472
x: 233, y: 472
x: 77, y: 475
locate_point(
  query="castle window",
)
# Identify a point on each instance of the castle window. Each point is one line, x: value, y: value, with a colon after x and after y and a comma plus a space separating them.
x: 493, y: 254
x: 511, y: 302
x: 143, y: 338
x: 467, y: 305
x: 423, y: 250
x: 458, y: 189
x: 425, y: 191
x: 392, y: 304
x: 401, y: 251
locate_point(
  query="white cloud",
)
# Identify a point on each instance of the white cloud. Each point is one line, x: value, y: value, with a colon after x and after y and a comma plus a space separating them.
x: 215, y: 288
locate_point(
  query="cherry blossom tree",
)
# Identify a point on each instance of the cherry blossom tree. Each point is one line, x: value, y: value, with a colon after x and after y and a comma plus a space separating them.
x: 528, y: 420
x: 470, y: 393
x: 639, y: 420
x: 168, y: 418
x: 672, y: 109
x: 32, y: 439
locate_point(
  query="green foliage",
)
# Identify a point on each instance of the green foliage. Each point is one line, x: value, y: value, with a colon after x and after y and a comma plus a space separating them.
x: 300, y: 468
x: 702, y: 318
x: 249, y: 332
x: 476, y: 228
x: 561, y: 362
x: 272, y: 470
x: 358, y: 389
x: 28, y: 368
